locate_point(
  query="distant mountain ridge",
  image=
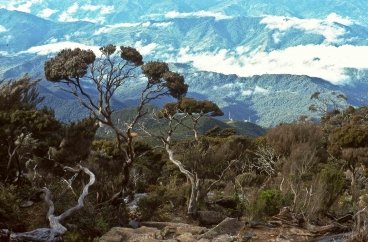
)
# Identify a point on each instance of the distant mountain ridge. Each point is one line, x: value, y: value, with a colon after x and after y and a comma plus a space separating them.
x: 259, y: 60
x: 112, y: 12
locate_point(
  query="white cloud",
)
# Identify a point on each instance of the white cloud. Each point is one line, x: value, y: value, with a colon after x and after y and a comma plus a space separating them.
x: 66, y: 16
x: 146, y: 24
x: 53, y: 40
x: 260, y: 90
x: 327, y: 62
x: 100, y: 19
x: 145, y: 49
x: 73, y: 9
x: 47, y: 12
x: 107, y: 9
x: 247, y: 92
x: 276, y: 37
x: 108, y: 28
x: 333, y: 17
x: 103, y: 9
x: 326, y: 27
x: 57, y: 47
x: 199, y: 14
x: 2, y: 29
x: 89, y: 7
x: 8, y: 38
x: 4, y: 53
x: 240, y: 88
x: 23, y: 6
x: 163, y: 24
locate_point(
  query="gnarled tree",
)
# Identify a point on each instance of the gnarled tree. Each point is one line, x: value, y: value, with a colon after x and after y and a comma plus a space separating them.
x: 75, y: 68
x: 55, y: 233
x: 178, y: 114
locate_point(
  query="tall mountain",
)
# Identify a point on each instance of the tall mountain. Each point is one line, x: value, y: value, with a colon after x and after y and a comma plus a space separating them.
x: 259, y: 60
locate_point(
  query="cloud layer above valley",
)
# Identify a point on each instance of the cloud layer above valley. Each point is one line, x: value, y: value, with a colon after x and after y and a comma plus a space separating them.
x: 199, y: 14
x: 327, y: 62
x: 330, y: 28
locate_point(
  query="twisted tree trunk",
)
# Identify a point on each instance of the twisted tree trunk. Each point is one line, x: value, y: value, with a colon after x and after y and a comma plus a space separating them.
x: 55, y: 233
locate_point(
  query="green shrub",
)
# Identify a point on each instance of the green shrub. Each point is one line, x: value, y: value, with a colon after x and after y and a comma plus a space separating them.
x: 9, y: 210
x: 148, y: 205
x: 269, y: 203
x: 159, y: 197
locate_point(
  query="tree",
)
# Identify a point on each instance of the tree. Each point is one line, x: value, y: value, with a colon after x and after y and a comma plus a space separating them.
x: 328, y: 104
x: 23, y: 127
x: 176, y: 114
x: 55, y: 233
x: 75, y: 68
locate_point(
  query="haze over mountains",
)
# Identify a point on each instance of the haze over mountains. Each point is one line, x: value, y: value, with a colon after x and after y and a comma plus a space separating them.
x: 259, y: 59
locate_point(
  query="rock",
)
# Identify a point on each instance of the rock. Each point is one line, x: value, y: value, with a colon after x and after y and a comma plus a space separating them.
x: 195, y: 230
x: 229, y: 226
x: 133, y: 223
x: 170, y: 230
x: 161, y: 225
x: 227, y: 202
x: 131, y: 235
x: 217, y: 208
x: 204, y: 240
x: 187, y: 237
x: 26, y: 204
x: 210, y: 217
x: 223, y: 238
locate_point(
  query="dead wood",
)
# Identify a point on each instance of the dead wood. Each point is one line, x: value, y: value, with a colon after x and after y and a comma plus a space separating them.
x: 55, y: 233
x: 286, y: 216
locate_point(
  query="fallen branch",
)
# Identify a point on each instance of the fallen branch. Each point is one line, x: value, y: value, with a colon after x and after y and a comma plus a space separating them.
x: 55, y: 233
x: 287, y: 217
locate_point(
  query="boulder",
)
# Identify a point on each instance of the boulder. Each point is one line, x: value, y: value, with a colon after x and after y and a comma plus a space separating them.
x: 210, y: 217
x: 224, y: 238
x: 118, y: 234
x: 186, y: 237
x: 161, y: 225
x: 229, y: 226
x: 226, y: 202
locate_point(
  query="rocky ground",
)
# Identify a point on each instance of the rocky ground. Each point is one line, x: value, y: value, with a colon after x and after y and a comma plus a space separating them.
x: 282, y: 229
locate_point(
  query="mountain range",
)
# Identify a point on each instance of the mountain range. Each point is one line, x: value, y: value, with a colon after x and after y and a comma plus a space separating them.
x: 259, y: 60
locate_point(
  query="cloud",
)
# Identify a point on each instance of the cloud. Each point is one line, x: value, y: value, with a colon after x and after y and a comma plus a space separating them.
x: 53, y: 40
x: 106, y: 9
x: 100, y: 19
x: 4, y: 53
x: 108, y: 28
x: 47, y: 12
x: 69, y: 15
x: 326, y: 27
x: 333, y: 17
x: 246, y: 92
x: 66, y: 16
x: 163, y: 24
x: 260, y: 90
x: 240, y: 88
x: 145, y: 49
x: 147, y: 24
x: 73, y: 8
x: 2, y: 29
x: 327, y: 62
x: 199, y: 14
x: 7, y: 38
x: 53, y: 47
x: 103, y: 9
x: 22, y: 6
x: 57, y: 47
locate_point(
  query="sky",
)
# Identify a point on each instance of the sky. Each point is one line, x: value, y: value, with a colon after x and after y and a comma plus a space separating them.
x: 327, y: 60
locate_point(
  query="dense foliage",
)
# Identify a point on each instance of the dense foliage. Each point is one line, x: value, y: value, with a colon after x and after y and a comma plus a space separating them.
x: 315, y: 168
